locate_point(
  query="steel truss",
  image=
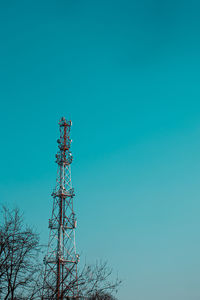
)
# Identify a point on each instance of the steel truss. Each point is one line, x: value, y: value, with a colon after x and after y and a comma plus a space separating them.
x: 60, y: 279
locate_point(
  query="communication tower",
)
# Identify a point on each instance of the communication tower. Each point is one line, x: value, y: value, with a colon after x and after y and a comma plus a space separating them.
x: 60, y: 278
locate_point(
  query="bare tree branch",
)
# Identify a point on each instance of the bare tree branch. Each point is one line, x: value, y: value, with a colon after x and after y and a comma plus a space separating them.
x: 19, y: 256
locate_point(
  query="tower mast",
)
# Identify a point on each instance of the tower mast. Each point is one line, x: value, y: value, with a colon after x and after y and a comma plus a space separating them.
x: 60, y: 278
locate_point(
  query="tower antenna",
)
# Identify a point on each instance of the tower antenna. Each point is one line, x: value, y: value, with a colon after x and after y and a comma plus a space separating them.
x: 60, y: 277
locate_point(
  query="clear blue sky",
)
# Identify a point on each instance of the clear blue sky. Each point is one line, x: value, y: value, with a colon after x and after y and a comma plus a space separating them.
x: 127, y: 74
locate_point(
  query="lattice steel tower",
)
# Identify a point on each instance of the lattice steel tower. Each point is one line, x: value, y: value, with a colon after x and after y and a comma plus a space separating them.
x: 60, y: 279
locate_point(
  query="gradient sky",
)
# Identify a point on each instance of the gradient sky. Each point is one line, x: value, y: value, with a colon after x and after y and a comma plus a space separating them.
x: 127, y: 74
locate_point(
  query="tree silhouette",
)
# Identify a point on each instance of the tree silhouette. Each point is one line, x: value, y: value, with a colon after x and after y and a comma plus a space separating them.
x: 18, y: 256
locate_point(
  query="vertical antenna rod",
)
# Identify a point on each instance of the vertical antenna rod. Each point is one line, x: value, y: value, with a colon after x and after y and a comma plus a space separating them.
x: 60, y: 278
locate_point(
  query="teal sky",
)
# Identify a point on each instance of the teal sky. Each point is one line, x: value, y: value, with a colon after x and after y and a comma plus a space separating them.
x: 127, y: 74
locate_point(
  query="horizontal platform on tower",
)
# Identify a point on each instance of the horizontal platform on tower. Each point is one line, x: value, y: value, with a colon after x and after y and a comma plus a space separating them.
x: 63, y: 193
x: 64, y: 160
x: 62, y: 260
x: 69, y: 225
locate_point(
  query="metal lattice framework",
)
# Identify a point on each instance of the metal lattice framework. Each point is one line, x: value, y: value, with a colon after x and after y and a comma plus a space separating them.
x: 60, y: 279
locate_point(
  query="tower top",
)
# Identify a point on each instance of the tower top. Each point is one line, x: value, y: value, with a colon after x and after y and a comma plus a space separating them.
x: 63, y: 122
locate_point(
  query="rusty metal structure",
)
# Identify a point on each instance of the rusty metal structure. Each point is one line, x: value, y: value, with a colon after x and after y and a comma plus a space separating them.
x: 60, y: 278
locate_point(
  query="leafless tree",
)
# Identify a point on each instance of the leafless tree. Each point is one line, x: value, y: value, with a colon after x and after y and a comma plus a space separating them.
x: 96, y: 282
x: 19, y: 249
x: 102, y: 296
x: 21, y: 269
